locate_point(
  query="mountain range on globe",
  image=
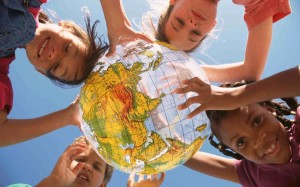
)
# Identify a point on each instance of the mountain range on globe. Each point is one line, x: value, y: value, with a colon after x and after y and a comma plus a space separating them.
x: 130, y: 115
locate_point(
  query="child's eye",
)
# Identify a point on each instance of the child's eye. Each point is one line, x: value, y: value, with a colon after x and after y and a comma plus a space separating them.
x: 257, y: 121
x: 68, y: 46
x: 96, y: 167
x: 180, y: 21
x: 196, y: 33
x: 240, y: 143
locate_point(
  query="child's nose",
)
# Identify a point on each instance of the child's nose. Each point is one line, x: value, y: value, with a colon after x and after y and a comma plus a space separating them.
x: 87, y: 167
x: 259, y: 140
x: 53, y: 54
x: 192, y: 22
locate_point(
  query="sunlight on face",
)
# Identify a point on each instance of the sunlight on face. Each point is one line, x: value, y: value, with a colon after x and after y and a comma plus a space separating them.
x: 256, y: 134
x: 189, y: 22
x: 93, y: 171
x: 58, y: 52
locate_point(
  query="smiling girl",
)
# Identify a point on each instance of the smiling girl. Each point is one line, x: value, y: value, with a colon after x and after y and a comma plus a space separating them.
x: 263, y: 140
x: 64, y: 52
x: 186, y: 23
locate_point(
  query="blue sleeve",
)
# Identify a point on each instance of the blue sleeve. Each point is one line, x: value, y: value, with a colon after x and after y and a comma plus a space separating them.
x: 17, y: 26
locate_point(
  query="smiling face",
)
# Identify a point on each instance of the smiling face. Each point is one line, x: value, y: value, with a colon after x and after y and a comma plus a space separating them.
x: 189, y: 22
x: 255, y: 133
x: 93, y: 171
x: 57, y: 51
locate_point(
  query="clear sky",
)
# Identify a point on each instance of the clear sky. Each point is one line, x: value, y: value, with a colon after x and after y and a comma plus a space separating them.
x: 35, y: 95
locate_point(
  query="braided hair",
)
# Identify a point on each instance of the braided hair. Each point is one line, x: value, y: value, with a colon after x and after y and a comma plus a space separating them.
x: 282, y: 111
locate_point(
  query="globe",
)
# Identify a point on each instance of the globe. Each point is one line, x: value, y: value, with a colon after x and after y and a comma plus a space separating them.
x: 129, y: 112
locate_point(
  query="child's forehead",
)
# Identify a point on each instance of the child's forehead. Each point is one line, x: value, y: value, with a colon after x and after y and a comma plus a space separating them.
x: 90, y: 154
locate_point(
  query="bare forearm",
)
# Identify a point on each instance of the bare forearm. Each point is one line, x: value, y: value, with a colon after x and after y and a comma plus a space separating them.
x: 46, y: 183
x: 14, y: 131
x: 225, y: 72
x: 283, y: 84
x: 213, y: 165
x: 257, y: 49
x: 111, y: 9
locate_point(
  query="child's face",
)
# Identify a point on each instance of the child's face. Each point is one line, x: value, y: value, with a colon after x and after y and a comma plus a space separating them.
x: 57, y: 51
x: 255, y: 133
x: 92, y: 172
x: 189, y: 22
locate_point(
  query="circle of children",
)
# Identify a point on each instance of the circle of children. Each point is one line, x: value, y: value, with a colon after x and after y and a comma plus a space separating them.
x: 245, y: 123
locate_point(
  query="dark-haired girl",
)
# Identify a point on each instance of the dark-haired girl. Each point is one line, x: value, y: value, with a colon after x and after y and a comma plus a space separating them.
x: 262, y: 138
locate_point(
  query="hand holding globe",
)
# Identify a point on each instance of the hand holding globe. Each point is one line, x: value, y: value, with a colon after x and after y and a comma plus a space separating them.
x: 140, y: 130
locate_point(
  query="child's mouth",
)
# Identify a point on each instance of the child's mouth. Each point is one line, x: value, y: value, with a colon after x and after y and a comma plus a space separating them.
x: 43, y: 46
x: 273, y: 149
x: 83, y: 177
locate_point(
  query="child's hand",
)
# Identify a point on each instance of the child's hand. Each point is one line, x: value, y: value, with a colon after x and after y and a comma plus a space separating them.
x: 150, y: 181
x: 74, y: 117
x: 209, y: 97
x: 63, y: 174
x: 120, y: 32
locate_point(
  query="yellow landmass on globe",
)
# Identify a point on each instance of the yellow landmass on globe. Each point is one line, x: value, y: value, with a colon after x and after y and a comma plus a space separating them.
x: 116, y: 111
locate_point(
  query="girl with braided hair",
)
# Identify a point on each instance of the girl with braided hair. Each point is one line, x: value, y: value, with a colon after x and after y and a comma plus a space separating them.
x: 262, y: 138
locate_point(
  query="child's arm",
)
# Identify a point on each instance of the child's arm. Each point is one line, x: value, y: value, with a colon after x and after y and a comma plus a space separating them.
x: 150, y: 181
x: 214, y: 166
x: 118, y: 25
x: 14, y: 131
x: 258, y: 44
x: 283, y: 84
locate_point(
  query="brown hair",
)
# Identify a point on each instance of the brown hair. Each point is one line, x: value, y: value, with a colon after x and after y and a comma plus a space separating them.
x: 108, y: 169
x: 159, y: 32
x: 96, y: 47
x: 215, y: 117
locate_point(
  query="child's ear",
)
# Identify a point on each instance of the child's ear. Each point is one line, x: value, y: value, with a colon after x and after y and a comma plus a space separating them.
x: 40, y: 71
x: 103, y: 185
x: 213, y: 25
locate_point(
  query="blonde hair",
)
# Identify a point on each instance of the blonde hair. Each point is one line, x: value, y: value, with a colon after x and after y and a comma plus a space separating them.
x: 153, y: 22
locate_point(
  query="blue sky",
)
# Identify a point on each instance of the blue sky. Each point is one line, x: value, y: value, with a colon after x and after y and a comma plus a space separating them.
x: 35, y: 95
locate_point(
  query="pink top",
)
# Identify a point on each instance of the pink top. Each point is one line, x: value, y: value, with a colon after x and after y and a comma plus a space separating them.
x: 257, y: 11
x: 271, y: 175
x: 6, y: 91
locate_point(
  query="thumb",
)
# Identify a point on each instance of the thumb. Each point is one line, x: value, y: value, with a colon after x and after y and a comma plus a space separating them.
x: 145, y: 37
x: 111, y: 51
x: 162, y: 178
x: 112, y: 48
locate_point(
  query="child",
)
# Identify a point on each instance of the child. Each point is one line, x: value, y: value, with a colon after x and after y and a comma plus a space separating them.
x: 264, y: 142
x: 79, y: 165
x: 186, y: 23
x: 213, y: 97
x: 58, y: 51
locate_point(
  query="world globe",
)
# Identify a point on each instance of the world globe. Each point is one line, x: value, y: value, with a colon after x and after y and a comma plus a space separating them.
x: 129, y: 112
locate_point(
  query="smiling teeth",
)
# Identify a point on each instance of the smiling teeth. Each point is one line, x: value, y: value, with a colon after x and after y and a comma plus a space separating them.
x: 83, y: 177
x: 43, y: 47
x: 271, y: 149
